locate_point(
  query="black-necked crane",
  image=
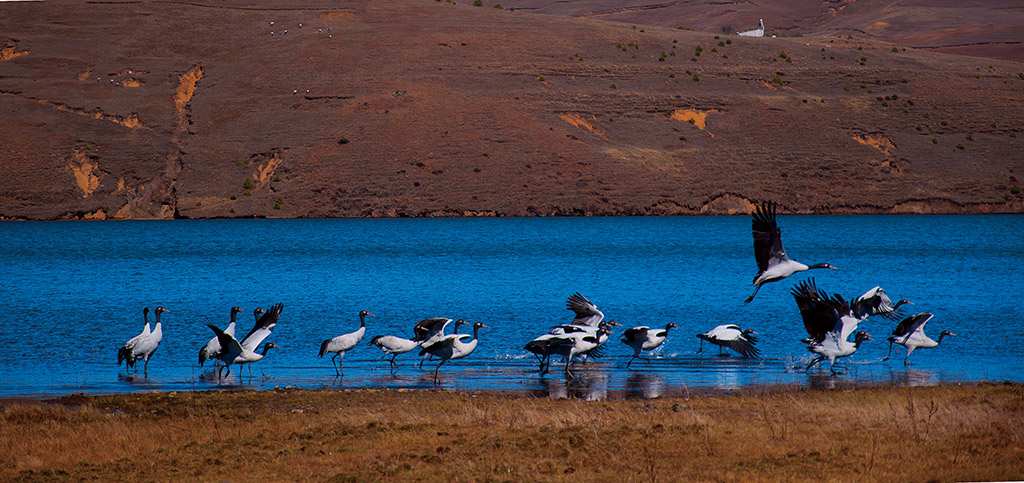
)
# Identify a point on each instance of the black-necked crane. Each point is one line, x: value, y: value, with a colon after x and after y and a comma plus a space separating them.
x: 644, y: 338
x: 544, y: 346
x: 344, y: 343
x: 125, y: 353
x: 213, y: 346
x: 455, y: 346
x: 910, y: 334
x: 263, y: 327
x: 829, y: 322
x: 146, y: 346
x: 393, y: 345
x: 772, y: 262
x: 430, y: 330
x: 233, y: 352
x: 876, y: 302
x: 732, y: 336
x: 586, y: 312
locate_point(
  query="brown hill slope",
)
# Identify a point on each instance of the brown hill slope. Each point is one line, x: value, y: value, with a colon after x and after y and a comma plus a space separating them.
x: 982, y: 28
x: 426, y: 108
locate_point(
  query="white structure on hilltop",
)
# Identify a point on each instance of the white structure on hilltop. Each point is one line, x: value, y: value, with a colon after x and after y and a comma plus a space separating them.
x: 758, y: 32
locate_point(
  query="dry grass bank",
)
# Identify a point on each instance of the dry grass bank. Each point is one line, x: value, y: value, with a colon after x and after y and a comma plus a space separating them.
x: 973, y: 432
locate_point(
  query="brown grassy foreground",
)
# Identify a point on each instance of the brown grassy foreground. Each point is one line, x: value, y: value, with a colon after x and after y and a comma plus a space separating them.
x: 972, y: 432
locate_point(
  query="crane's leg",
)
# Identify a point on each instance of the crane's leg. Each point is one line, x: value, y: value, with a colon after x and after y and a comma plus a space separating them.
x: 422, y: 360
x: 888, y: 354
x: 751, y: 297
x: 341, y: 364
x: 832, y: 367
x: 631, y: 359
x: 813, y: 362
x: 905, y: 363
x: 438, y: 368
x: 145, y: 371
x: 394, y: 365
x: 701, y: 349
x: 568, y: 373
x: 334, y: 362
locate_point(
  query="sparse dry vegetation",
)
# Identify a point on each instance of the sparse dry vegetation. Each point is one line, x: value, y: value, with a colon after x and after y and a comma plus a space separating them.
x: 972, y: 432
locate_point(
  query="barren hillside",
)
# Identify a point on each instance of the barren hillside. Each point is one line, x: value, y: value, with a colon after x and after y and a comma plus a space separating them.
x: 159, y: 109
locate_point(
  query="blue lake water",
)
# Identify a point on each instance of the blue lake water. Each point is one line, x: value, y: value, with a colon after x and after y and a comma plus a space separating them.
x: 73, y: 292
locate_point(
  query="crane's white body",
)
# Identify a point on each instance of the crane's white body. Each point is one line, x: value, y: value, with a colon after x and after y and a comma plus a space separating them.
x: 451, y: 347
x: 733, y: 337
x: 213, y: 346
x: 343, y: 343
x: 772, y: 262
x: 393, y: 346
x: 643, y: 338
x: 910, y: 334
x: 145, y: 346
x: 233, y: 352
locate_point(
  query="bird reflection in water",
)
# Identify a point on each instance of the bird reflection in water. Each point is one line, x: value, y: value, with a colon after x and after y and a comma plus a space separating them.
x: 914, y: 378
x: 822, y: 380
x: 644, y: 386
x: 589, y: 383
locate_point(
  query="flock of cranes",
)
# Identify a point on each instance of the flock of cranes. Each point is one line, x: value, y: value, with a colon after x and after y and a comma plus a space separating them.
x: 829, y: 321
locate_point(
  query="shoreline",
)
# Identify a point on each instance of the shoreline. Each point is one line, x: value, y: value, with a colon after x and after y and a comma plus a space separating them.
x: 827, y: 383
x: 877, y: 212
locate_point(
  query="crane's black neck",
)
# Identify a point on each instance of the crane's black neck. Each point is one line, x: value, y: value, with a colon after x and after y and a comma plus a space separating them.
x: 818, y: 265
x: 145, y: 315
x: 940, y: 337
x: 233, y: 316
x: 362, y: 319
x: 667, y: 327
x: 267, y: 347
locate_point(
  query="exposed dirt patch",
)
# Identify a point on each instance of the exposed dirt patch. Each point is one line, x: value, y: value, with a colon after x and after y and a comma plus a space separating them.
x: 85, y: 171
x: 10, y: 51
x: 184, y: 92
x: 697, y: 118
x: 876, y: 141
x: 578, y: 121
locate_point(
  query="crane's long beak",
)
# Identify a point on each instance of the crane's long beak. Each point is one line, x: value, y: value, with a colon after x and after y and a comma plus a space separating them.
x: 485, y: 326
x: 371, y: 315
